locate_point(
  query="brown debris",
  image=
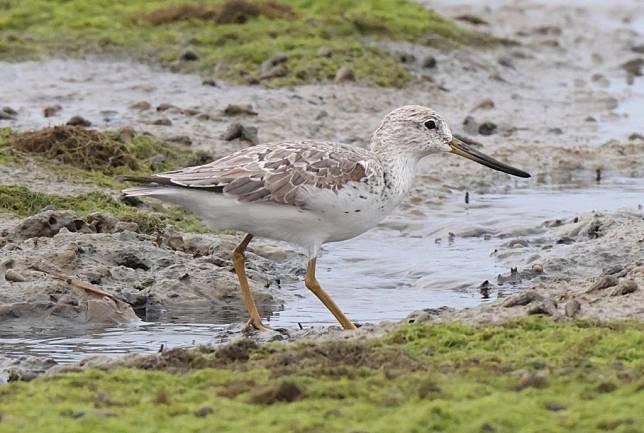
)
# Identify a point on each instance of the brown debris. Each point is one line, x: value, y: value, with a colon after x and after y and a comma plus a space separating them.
x: 229, y: 12
x: 75, y: 146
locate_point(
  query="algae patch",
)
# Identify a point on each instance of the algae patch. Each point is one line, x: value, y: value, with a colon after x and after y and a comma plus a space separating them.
x: 233, y: 38
x: 530, y: 375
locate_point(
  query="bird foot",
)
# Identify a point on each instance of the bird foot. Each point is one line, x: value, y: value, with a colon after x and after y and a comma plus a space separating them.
x: 256, y: 324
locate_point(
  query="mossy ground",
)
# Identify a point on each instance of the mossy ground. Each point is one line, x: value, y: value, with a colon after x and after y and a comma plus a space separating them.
x: 98, y: 157
x: 530, y: 375
x: 250, y: 32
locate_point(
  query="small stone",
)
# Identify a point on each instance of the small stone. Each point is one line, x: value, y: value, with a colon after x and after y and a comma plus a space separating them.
x: 237, y: 130
x: 321, y: 115
x: 203, y: 411
x: 553, y: 406
x: 141, y: 106
x: 470, y: 126
x: 164, y: 121
x: 404, y: 57
x: 6, y: 116
x: 506, y: 61
x: 252, y: 80
x: 635, y: 136
x: 14, y: 276
x: 487, y: 128
x: 10, y: 111
x: 485, y: 104
x: 604, y: 282
x: 625, y: 287
x: 274, y: 72
x: 51, y: 110
x: 472, y: 19
x: 209, y: 82
x: 235, y: 110
x: 189, y: 56
x: 633, y: 67
x: 428, y: 62
x: 325, y: 51
x: 590, y: 119
x: 269, y: 64
x: 344, y: 74
x: 546, y: 306
x: 537, y: 267
x: 638, y: 49
x: 572, y: 308
x: 522, y: 299
x: 181, y: 139
x: 79, y: 121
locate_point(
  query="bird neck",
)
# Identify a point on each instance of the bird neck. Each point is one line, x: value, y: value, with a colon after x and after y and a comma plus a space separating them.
x: 399, y: 169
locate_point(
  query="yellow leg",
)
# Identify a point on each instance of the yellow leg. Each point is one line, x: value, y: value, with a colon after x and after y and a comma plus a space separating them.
x: 313, y: 285
x: 240, y: 268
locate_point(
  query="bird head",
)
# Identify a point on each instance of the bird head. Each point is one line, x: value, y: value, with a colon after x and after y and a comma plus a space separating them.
x: 420, y: 131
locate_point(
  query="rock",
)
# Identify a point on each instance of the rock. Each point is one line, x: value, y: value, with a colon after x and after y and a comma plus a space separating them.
x: 521, y: 299
x: 181, y: 139
x: 572, y: 308
x: 485, y: 104
x: 189, y: 56
x: 237, y: 130
x: 633, y: 67
x: 638, y: 49
x: 102, y: 222
x: 470, y: 126
x: 487, y: 128
x: 166, y: 107
x: 404, y: 57
x: 604, y: 282
x: 472, y: 19
x: 537, y: 267
x: 274, y: 61
x: 51, y: 110
x: 274, y: 72
x: 44, y: 224
x: 428, y: 62
x: 30, y: 367
x: 344, y: 74
x: 6, y: 116
x: 624, y: 287
x: 506, y: 61
x: 164, y: 121
x: 209, y: 82
x: 547, y: 306
x: 325, y: 51
x: 14, y: 276
x: 9, y: 110
x: 203, y: 411
x: 141, y: 106
x: 635, y: 136
x: 237, y: 109
x: 321, y: 115
x: 79, y: 121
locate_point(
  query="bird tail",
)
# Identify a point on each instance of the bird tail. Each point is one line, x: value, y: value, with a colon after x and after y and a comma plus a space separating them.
x: 158, y: 185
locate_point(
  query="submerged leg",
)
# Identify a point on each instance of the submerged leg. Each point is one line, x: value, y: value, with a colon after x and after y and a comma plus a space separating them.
x: 239, y: 263
x: 313, y: 285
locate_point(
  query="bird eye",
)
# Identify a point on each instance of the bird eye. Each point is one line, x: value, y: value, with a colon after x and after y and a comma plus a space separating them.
x: 430, y: 124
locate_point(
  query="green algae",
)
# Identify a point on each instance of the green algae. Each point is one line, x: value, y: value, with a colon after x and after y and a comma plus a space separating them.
x: 530, y: 375
x: 234, y: 46
x: 20, y: 201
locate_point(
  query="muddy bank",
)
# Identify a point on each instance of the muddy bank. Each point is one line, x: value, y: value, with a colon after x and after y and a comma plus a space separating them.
x: 154, y: 276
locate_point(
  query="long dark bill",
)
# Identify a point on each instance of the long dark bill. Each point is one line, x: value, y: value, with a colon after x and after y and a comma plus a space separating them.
x: 463, y: 149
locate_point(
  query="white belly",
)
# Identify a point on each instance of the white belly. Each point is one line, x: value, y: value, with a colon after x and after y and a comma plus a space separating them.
x: 333, y: 217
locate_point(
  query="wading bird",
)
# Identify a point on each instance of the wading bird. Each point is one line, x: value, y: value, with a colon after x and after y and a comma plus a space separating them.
x: 308, y: 192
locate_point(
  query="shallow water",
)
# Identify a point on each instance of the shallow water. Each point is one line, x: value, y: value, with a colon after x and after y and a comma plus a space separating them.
x: 384, y: 274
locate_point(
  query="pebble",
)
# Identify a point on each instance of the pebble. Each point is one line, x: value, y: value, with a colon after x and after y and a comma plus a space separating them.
x: 276, y: 71
x: 633, y: 67
x: 344, y: 74
x: 181, y: 139
x: 537, y: 267
x: 325, y: 51
x: 165, y: 107
x: 203, y: 411
x: 9, y: 111
x: 14, y: 276
x: 209, y: 82
x: 235, y: 110
x: 470, y: 126
x: 189, y: 56
x: 51, y: 110
x: 487, y: 128
x: 274, y: 61
x: 404, y: 57
x: 141, y: 106
x: 79, y: 121
x: 572, y: 308
x: 164, y: 121
x: 472, y: 19
x: 429, y: 62
x: 237, y: 130
x: 485, y: 104
x: 6, y: 116
x: 638, y: 49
